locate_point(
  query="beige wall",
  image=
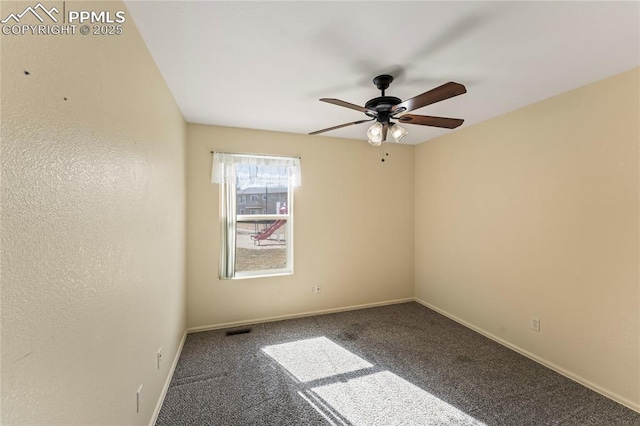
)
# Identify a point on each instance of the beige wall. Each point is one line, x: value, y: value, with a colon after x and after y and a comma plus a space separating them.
x: 536, y: 213
x: 353, y: 227
x: 93, y: 227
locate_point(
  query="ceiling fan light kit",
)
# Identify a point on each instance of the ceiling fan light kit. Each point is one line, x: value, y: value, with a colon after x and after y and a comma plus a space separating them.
x: 375, y: 134
x: 398, y: 132
x: 384, y: 109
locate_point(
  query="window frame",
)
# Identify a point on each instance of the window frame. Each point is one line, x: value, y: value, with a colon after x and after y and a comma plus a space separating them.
x: 288, y: 229
x: 288, y: 270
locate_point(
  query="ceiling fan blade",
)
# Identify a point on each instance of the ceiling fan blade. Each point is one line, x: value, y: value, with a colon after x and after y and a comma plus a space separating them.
x: 446, y: 91
x: 426, y: 120
x: 348, y: 105
x: 340, y: 126
x: 385, y: 127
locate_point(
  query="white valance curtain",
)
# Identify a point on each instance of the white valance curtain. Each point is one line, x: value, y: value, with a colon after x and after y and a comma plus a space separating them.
x: 224, y: 169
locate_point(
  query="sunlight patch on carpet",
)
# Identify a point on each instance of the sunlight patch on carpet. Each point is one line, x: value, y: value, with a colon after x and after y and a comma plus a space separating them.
x: 313, y: 359
x: 363, y: 397
x: 383, y: 398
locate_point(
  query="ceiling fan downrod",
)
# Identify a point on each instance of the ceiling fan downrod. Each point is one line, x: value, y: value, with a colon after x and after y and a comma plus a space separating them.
x: 382, y: 82
x: 381, y: 106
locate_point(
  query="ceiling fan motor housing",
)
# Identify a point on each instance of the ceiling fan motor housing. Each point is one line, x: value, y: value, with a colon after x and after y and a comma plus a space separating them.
x: 382, y: 105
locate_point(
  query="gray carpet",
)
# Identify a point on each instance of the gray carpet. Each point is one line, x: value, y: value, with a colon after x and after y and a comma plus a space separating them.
x: 394, y: 365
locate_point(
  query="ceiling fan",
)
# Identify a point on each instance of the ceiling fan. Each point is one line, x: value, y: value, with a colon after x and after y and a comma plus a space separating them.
x: 384, y: 109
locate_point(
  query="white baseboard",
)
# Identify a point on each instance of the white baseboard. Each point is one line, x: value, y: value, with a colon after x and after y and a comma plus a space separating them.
x: 167, y: 382
x: 298, y: 315
x: 576, y: 378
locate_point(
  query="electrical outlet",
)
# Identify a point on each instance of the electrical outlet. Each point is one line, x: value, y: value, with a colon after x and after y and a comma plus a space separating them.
x: 159, y: 357
x: 315, y: 289
x: 535, y: 323
x: 139, y: 399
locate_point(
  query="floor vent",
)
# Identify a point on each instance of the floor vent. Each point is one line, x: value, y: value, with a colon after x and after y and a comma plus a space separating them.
x: 238, y: 331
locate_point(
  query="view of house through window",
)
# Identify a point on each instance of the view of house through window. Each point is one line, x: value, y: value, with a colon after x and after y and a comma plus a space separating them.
x: 256, y: 213
x: 262, y: 234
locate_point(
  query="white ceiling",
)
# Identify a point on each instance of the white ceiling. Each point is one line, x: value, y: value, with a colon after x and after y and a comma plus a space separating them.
x: 264, y: 65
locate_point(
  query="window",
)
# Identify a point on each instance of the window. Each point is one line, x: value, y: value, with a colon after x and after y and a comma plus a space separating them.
x: 259, y: 243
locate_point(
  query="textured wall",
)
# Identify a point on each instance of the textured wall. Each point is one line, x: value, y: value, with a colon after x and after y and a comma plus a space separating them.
x: 93, y: 227
x: 536, y: 213
x: 353, y: 227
